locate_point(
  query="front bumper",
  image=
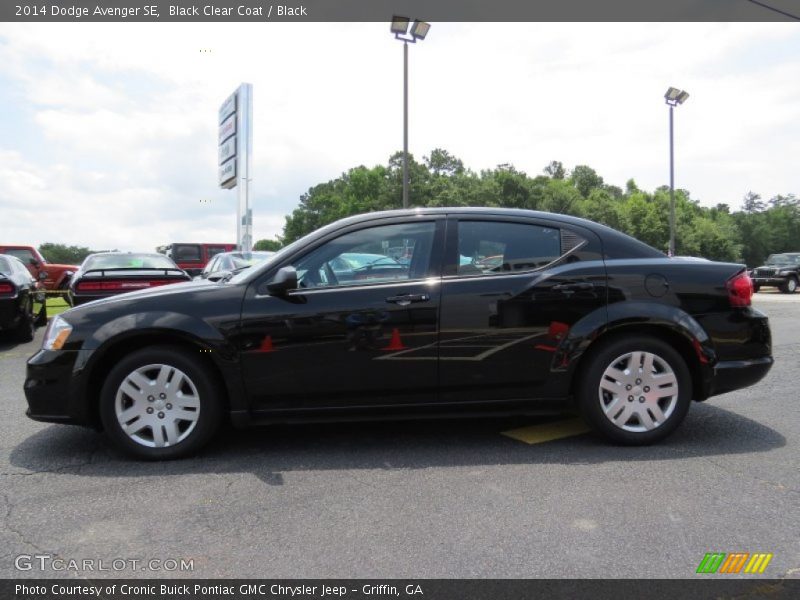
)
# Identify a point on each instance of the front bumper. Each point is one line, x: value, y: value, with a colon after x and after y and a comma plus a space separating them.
x: 54, y: 388
x: 776, y: 281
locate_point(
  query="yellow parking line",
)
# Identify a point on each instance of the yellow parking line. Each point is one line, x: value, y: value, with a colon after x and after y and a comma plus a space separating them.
x: 539, y: 434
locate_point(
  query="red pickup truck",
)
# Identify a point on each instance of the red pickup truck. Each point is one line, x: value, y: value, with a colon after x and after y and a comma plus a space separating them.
x: 193, y: 256
x: 56, y: 276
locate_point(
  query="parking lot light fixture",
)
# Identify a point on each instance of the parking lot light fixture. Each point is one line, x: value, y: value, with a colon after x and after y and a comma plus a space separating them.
x: 400, y: 25
x: 673, y: 97
x: 419, y: 30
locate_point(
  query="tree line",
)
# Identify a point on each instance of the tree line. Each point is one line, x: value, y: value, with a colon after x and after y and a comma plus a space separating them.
x: 749, y: 235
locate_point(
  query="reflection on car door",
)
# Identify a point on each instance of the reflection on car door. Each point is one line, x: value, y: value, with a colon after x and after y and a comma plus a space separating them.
x: 511, y: 292
x: 330, y: 342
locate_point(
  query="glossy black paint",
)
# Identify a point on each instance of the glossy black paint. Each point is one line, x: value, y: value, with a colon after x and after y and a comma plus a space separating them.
x: 133, y: 278
x: 17, y: 302
x: 510, y: 341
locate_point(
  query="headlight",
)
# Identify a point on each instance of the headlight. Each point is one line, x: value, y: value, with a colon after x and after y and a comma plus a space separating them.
x: 57, y: 333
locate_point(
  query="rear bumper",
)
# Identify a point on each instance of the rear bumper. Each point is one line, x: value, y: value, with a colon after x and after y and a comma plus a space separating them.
x: 737, y: 374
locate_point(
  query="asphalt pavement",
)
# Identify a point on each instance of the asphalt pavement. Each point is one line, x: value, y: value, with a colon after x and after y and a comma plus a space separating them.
x: 413, y: 499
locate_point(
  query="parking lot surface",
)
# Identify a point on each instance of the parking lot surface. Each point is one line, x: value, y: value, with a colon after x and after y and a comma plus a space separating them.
x: 417, y: 499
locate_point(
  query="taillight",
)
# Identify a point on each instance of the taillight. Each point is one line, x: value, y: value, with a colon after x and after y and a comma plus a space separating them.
x: 740, y: 290
x: 120, y: 285
x: 7, y: 289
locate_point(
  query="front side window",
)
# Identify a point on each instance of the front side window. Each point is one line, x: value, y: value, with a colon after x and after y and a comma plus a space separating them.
x: 494, y: 247
x: 380, y: 254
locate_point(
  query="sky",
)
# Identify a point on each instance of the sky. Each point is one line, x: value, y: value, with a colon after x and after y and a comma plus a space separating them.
x: 108, y: 132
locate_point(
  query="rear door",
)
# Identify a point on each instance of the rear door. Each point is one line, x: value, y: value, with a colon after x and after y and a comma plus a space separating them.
x: 342, y: 338
x: 512, y: 290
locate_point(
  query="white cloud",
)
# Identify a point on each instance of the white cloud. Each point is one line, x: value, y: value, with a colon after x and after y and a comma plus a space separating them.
x: 114, y: 133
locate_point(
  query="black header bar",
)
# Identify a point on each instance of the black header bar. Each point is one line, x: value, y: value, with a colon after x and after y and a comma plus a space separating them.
x: 254, y: 11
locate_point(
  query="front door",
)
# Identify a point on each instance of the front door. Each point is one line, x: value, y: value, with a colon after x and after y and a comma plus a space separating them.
x: 366, y: 298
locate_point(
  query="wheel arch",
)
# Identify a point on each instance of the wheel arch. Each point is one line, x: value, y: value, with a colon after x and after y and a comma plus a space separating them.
x: 104, y: 358
x: 680, y: 331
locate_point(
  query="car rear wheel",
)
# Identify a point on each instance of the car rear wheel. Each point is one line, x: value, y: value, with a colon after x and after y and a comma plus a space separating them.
x: 635, y: 390
x: 160, y: 403
x: 26, y: 328
x: 790, y: 286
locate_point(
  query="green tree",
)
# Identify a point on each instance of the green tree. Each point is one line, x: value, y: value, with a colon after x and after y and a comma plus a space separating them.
x: 68, y: 255
x: 268, y: 245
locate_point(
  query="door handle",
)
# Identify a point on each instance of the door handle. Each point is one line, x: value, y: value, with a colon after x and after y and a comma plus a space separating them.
x: 406, y: 299
x: 575, y: 286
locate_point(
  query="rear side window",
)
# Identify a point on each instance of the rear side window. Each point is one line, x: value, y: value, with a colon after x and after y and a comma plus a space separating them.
x: 496, y: 247
x: 186, y: 252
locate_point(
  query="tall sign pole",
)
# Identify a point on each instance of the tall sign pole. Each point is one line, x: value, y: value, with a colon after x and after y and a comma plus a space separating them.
x: 235, y: 154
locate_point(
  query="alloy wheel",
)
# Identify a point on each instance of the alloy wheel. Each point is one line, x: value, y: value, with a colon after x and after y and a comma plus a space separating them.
x: 638, y: 391
x: 157, y: 405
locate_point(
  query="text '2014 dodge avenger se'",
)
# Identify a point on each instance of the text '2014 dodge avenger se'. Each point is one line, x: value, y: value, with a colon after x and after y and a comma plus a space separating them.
x: 496, y: 311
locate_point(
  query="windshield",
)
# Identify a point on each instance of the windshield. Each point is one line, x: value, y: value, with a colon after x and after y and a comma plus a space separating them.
x: 129, y: 261
x: 248, y: 259
x: 784, y: 259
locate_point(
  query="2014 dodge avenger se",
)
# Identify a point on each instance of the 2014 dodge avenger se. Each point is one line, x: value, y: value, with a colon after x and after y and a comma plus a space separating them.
x: 447, y: 311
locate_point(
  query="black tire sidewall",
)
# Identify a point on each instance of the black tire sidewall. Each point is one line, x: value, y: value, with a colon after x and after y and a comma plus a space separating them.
x: 26, y: 328
x: 207, y: 388
x: 599, y: 360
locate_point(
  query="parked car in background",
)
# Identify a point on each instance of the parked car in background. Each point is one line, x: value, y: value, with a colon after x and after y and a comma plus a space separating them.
x: 780, y: 270
x: 227, y: 263
x: 56, y: 277
x: 111, y: 273
x: 18, y: 291
x: 576, y: 316
x: 192, y: 257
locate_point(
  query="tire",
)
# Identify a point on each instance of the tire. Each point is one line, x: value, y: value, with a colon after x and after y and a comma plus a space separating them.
x: 790, y: 286
x: 634, y: 415
x: 161, y: 424
x: 26, y: 328
x: 41, y: 318
x: 756, y: 287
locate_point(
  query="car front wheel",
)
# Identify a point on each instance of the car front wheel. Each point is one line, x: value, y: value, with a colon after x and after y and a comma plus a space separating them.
x: 635, y: 390
x: 790, y: 286
x: 160, y: 403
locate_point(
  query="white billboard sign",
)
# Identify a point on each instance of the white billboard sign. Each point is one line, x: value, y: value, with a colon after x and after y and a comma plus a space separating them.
x: 227, y: 128
x: 228, y: 107
x: 235, y: 157
x: 227, y: 150
x: 227, y: 174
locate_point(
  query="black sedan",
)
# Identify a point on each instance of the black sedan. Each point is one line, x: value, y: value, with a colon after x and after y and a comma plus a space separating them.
x: 18, y: 298
x: 110, y: 273
x: 572, y: 315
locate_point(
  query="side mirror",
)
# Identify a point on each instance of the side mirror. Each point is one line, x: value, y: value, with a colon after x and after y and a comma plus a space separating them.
x: 42, y: 275
x: 217, y: 275
x: 285, y: 279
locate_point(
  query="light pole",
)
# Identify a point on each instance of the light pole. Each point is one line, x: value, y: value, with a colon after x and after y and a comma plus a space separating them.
x: 401, y: 32
x: 674, y: 97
